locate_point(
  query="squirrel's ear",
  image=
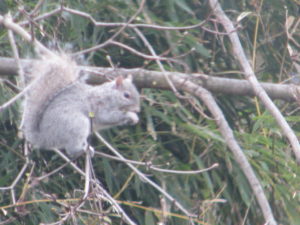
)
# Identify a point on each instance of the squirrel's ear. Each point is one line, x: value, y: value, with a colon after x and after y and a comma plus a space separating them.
x: 119, y: 81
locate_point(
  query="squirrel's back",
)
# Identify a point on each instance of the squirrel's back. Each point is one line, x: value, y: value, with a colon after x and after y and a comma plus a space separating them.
x: 47, y: 77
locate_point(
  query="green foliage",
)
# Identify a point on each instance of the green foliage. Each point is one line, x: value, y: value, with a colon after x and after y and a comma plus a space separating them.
x: 172, y: 133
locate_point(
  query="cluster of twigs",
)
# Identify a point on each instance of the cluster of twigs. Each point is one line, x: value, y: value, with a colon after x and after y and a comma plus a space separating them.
x: 175, y: 82
x: 93, y: 188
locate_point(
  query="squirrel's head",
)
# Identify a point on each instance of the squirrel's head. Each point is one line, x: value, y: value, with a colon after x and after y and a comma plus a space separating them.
x: 128, y: 97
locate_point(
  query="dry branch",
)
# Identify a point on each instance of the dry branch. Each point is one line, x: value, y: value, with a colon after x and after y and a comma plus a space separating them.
x: 184, y: 82
x: 8, y: 23
x: 232, y: 143
x: 240, y: 56
x: 196, y: 84
x: 153, y: 79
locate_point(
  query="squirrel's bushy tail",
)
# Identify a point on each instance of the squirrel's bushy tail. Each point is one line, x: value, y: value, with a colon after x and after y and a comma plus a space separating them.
x: 47, y: 78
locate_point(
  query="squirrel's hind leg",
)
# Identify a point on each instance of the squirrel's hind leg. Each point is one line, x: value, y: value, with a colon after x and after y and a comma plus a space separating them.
x: 74, y: 151
x: 77, y: 142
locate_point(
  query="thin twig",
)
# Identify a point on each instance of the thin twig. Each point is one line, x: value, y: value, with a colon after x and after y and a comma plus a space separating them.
x: 161, y: 67
x: 105, y: 24
x: 116, y: 34
x: 16, y: 57
x: 149, y: 57
x: 19, y: 95
x: 18, y: 177
x: 37, y: 7
x: 97, y: 183
x: 42, y: 17
x: 8, y: 23
x: 20, y: 68
x: 144, y: 177
x: 150, y: 166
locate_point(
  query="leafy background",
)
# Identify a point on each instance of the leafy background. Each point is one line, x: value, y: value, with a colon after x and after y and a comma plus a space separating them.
x: 171, y: 133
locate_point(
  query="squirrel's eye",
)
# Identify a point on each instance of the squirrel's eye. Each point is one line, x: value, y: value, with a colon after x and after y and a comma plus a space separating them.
x: 126, y: 95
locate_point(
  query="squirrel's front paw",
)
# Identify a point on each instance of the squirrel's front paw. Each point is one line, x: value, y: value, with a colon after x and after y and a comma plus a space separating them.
x: 132, y: 118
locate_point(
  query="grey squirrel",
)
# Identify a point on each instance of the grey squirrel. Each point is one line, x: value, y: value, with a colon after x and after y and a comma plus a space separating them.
x: 60, y: 110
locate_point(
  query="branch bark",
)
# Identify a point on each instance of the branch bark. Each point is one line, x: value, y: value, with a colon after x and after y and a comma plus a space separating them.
x: 231, y: 142
x: 194, y: 85
x: 154, y: 79
x: 240, y: 56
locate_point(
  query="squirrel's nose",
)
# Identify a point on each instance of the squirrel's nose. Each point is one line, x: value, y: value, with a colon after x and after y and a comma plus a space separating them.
x: 136, y: 109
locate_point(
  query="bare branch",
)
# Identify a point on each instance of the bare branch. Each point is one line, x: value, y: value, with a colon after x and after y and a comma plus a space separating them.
x: 116, y: 34
x: 154, y: 79
x: 193, y: 85
x: 231, y: 142
x: 8, y: 23
x: 149, y: 57
x: 16, y: 56
x: 97, y: 183
x: 105, y: 24
x: 16, y: 97
x: 150, y: 166
x: 42, y: 17
x: 161, y: 67
x: 239, y: 53
x: 144, y: 177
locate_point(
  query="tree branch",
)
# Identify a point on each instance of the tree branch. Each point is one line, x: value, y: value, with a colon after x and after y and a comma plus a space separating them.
x: 194, y: 85
x: 259, y: 91
x: 153, y: 79
x: 231, y: 142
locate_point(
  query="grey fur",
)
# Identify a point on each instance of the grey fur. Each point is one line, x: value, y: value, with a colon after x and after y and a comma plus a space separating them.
x: 57, y: 109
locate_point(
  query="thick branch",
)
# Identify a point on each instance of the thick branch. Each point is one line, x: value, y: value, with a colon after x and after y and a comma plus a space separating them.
x: 153, y: 79
x: 231, y: 142
x: 239, y: 54
x: 7, y: 22
x: 188, y: 83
